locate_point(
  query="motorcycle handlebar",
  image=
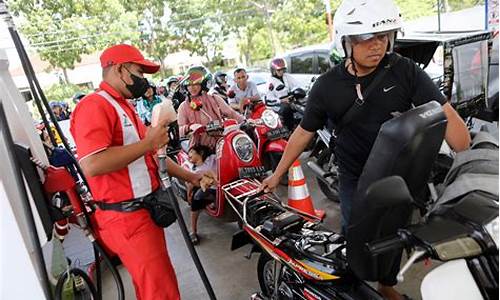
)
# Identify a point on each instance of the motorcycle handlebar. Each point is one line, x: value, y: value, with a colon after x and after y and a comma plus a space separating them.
x: 385, y: 245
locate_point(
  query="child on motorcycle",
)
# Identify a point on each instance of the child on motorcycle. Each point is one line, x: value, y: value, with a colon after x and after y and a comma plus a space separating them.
x: 204, y: 162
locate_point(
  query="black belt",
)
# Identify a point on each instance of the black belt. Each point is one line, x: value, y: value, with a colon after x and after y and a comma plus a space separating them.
x: 125, y: 206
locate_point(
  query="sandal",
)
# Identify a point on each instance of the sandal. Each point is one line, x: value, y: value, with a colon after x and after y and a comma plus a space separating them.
x: 194, y: 238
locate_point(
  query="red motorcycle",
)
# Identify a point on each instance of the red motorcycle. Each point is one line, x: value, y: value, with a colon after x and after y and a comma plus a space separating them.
x: 236, y: 157
x: 268, y: 133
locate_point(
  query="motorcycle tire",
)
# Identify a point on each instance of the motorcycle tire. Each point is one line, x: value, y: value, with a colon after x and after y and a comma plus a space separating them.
x: 330, y: 192
x: 274, y: 159
x: 265, y: 274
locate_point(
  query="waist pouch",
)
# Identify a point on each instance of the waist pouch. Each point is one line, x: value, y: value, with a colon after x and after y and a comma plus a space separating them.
x: 158, y: 205
x: 160, y: 208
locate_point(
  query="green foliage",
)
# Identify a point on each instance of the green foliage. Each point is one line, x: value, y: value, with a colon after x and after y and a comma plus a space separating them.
x: 59, y: 92
x: 63, y: 31
x: 200, y: 27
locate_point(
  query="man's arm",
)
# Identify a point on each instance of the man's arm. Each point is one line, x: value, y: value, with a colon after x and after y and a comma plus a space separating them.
x: 118, y: 157
x: 457, y: 135
x: 113, y: 158
x: 298, y: 141
x: 177, y: 171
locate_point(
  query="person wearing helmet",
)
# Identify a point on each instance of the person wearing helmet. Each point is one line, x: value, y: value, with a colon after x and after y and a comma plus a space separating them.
x: 172, y: 83
x: 200, y: 108
x: 220, y: 87
x: 280, y: 85
x: 365, y: 34
x: 58, y: 110
x: 144, y: 105
x: 116, y: 153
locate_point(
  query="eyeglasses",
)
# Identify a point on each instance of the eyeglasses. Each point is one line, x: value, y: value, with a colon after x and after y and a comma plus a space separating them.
x: 368, y: 37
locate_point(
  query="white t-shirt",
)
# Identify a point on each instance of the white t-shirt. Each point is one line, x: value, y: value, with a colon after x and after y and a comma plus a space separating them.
x: 210, y: 164
x: 250, y: 91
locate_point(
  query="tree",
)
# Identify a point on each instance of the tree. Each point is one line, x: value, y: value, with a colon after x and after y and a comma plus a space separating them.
x: 200, y: 28
x: 62, y: 31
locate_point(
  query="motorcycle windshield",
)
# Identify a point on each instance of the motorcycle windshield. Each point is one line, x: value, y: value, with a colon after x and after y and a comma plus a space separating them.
x: 470, y: 62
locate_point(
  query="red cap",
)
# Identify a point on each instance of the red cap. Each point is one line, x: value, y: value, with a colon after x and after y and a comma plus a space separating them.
x: 119, y: 54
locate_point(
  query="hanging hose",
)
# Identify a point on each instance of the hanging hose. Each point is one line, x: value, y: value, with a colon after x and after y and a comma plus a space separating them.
x: 167, y: 187
x: 114, y: 271
x: 75, y: 272
x: 98, y: 272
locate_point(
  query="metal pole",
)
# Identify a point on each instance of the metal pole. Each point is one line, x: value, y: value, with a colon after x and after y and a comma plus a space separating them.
x: 270, y: 29
x: 439, y: 14
x: 328, y: 10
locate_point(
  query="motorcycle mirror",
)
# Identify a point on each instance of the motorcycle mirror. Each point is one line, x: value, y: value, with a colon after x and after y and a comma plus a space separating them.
x: 387, y: 192
x: 280, y: 87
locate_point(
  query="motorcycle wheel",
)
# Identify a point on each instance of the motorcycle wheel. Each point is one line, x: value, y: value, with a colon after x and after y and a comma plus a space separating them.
x: 273, y: 160
x: 265, y: 274
x: 331, y: 192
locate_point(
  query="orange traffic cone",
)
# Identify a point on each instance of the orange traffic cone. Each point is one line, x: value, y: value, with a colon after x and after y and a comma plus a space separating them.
x: 298, y: 194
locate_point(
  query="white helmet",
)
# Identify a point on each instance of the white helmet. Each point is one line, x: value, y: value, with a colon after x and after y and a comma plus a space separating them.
x: 363, y: 18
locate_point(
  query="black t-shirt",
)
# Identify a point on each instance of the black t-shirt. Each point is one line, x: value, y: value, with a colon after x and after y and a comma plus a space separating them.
x: 404, y: 85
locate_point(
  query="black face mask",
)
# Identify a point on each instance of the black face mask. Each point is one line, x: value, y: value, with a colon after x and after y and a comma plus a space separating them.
x: 139, y: 85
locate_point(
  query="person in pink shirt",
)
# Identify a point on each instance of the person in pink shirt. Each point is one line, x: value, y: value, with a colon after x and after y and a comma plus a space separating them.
x: 200, y: 108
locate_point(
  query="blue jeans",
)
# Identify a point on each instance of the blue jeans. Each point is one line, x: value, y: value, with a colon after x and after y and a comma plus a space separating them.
x: 347, y: 186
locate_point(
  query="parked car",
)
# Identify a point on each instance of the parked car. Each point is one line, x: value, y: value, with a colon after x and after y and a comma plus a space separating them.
x: 307, y: 62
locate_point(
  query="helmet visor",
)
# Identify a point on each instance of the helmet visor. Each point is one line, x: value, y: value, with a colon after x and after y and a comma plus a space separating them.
x: 360, y: 38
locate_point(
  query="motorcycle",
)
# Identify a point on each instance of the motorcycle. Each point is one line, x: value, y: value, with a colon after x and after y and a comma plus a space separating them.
x: 268, y: 134
x: 297, y: 100
x: 301, y: 259
x: 236, y: 157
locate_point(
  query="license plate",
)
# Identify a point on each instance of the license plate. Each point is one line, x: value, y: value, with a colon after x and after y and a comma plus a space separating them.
x: 252, y: 172
x: 277, y: 133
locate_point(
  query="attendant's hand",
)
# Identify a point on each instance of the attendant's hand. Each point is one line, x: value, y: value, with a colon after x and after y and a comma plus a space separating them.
x: 157, y: 137
x: 195, y: 178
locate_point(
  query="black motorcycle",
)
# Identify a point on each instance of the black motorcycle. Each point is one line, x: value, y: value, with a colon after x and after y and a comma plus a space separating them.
x: 301, y: 259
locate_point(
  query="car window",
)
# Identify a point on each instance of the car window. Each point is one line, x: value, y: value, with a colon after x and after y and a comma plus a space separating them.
x: 257, y: 79
x: 302, y: 64
x: 323, y: 64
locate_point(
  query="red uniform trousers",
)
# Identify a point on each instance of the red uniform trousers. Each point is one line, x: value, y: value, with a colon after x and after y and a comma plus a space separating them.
x: 141, y: 246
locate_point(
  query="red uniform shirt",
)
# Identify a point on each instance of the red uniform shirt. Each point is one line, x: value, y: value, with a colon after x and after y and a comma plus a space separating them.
x: 95, y: 126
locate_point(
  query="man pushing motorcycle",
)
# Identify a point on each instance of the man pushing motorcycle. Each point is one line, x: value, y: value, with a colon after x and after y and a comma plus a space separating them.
x: 369, y: 87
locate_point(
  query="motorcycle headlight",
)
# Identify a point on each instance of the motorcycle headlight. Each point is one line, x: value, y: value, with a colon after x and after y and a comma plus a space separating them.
x: 492, y: 228
x: 270, y: 118
x: 243, y: 147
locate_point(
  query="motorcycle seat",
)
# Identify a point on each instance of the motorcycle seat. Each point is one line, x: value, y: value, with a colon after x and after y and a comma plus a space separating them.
x: 406, y: 146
